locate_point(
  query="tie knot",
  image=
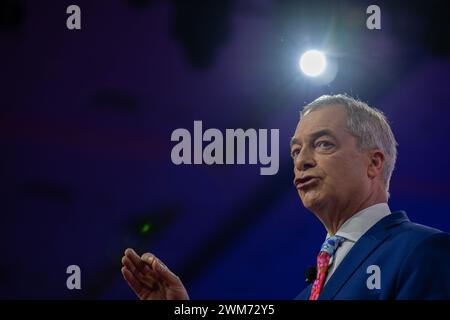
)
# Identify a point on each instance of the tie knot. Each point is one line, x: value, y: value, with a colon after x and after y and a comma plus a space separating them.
x: 331, y: 244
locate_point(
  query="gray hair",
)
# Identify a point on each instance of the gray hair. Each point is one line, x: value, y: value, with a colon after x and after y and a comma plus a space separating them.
x: 368, y: 125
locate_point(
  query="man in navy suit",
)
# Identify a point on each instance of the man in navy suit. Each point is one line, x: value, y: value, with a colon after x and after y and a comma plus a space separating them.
x: 344, y: 153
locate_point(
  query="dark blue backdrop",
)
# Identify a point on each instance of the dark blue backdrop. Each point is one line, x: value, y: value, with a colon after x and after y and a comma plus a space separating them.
x: 86, y: 119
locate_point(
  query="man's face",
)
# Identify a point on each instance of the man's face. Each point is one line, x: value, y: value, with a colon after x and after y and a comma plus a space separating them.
x: 328, y: 168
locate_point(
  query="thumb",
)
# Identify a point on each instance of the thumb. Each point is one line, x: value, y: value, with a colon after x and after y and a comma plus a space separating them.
x: 161, y: 269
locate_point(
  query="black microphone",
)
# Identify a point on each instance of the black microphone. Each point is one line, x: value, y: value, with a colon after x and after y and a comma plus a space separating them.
x: 310, y: 274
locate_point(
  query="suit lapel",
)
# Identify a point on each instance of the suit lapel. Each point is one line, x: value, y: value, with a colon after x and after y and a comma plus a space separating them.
x: 362, y: 249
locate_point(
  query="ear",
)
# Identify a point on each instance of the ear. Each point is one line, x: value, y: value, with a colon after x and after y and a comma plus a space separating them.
x: 376, y: 163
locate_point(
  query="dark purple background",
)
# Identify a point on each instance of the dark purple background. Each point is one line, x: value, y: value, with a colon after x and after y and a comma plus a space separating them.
x: 86, y: 118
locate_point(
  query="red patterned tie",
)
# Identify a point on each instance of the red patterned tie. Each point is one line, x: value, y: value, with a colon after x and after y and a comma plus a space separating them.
x: 323, y: 261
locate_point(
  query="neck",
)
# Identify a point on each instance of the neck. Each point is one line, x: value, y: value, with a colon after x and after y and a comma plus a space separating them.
x: 333, y: 217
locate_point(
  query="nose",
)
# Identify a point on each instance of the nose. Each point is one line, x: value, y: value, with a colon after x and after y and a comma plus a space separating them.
x: 304, y: 160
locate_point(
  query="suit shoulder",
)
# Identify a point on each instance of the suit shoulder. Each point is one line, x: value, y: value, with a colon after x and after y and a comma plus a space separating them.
x: 412, y: 234
x: 415, y: 230
x: 435, y: 241
x: 424, y: 271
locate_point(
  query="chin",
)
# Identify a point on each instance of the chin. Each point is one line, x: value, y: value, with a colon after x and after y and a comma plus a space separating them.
x: 311, y: 199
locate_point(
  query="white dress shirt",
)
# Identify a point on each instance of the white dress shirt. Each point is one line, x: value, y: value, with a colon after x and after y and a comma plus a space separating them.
x: 354, y: 228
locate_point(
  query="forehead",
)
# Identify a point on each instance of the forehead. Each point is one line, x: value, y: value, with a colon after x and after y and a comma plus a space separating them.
x: 333, y: 118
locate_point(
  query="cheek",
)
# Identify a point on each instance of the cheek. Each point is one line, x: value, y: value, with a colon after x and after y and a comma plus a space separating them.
x: 342, y: 172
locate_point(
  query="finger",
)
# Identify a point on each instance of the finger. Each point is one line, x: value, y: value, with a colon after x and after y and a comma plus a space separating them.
x: 161, y: 269
x: 126, y: 262
x: 149, y: 259
x: 149, y: 280
x: 132, y: 281
x: 136, y: 261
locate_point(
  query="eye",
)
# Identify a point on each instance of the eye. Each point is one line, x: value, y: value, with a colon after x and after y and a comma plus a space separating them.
x: 295, y: 152
x: 324, y: 145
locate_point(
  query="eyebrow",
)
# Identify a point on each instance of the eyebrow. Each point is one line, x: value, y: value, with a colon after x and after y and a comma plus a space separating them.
x: 314, y: 136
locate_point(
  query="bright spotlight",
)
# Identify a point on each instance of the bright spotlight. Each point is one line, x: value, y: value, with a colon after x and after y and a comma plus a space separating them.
x: 313, y: 63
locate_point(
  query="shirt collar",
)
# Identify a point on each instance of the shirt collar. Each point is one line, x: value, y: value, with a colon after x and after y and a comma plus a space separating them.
x: 362, y: 221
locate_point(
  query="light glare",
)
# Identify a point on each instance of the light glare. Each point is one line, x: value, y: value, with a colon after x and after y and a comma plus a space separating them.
x: 313, y: 63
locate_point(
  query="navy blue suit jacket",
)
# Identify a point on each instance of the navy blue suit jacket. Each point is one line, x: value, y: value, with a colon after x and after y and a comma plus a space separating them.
x: 413, y: 260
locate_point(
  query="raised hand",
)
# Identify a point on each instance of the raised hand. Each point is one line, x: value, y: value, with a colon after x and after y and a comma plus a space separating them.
x: 150, y: 279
